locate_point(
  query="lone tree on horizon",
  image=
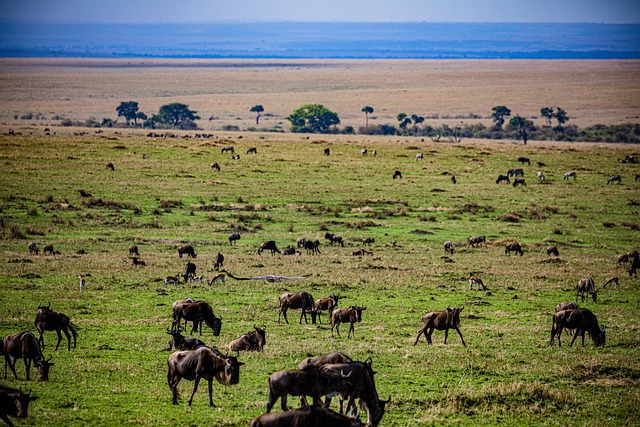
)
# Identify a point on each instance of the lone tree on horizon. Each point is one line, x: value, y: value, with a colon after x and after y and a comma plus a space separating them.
x: 499, y: 113
x: 522, y: 127
x: 258, y: 109
x: 313, y: 118
x: 367, y: 110
x: 129, y: 110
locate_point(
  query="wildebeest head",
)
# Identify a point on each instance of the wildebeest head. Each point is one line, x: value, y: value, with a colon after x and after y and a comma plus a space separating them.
x: 43, y: 367
x: 600, y: 339
x: 215, y: 323
x: 230, y: 373
x: 20, y: 402
x: 453, y: 316
x: 359, y: 311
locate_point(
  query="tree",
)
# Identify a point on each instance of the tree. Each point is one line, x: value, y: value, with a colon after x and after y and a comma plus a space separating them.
x: 258, y: 110
x: 548, y: 114
x: 499, y: 113
x: 175, y: 115
x: 313, y: 118
x: 367, y: 110
x: 561, y: 116
x: 129, y: 110
x: 522, y: 127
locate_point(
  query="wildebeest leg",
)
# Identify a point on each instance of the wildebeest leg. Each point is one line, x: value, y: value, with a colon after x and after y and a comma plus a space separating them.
x: 420, y: 332
x: 459, y: 333
x: 173, y: 385
x: 303, y: 401
x: 12, y: 366
x: 428, y: 335
x: 576, y: 336
x: 195, y: 388
x: 6, y: 419
x: 352, y: 330
x: 27, y: 366
x: 66, y: 332
x: 283, y: 402
x: 446, y: 334
x: 59, y: 339
x: 303, y: 313
x: 41, y: 339
x: 337, y: 326
x: 210, y: 391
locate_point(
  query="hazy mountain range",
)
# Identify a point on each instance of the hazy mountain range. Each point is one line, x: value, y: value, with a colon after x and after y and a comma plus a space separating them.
x: 322, y: 40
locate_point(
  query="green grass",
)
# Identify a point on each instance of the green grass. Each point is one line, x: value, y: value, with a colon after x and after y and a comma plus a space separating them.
x: 506, y: 375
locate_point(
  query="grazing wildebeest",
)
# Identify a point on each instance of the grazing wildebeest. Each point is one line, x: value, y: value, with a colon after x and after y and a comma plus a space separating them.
x: 448, y: 247
x: 251, y: 341
x: 477, y: 240
x: 352, y: 315
x: 364, y: 152
x: 615, y: 178
x: 109, y: 166
x: 569, y: 175
x: 233, y: 237
x: 475, y: 280
x: 541, y: 164
x: 307, y: 416
x: 252, y: 150
x: 301, y: 241
x: 442, y: 321
x: 48, y: 249
x: 219, y: 261
x: 314, y: 381
x: 553, y: 250
x: 202, y: 363
x: 228, y: 150
x: 582, y: 320
x: 503, y: 178
x: 33, y: 249
x: 326, y: 304
x: 189, y: 271
x: 397, y: 174
x: 515, y: 172
x: 270, y: 245
x: 419, y: 156
x: 524, y: 160
x: 14, y: 403
x: 188, y: 250
x: 295, y: 300
x: 196, y: 312
x: 84, y: 193
x: 368, y: 241
x: 566, y: 306
x: 24, y: 345
x: 513, y: 247
x: 49, y: 320
x: 313, y: 247
x: 334, y: 238
x: 136, y: 261
x: 331, y: 358
x: 133, y: 250
x: 215, y: 166
x: 519, y: 181
x: 541, y: 176
x: 327, y: 151
x: 180, y: 342
x: 586, y: 286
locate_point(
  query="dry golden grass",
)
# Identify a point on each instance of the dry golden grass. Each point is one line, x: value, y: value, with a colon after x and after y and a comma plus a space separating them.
x: 590, y: 91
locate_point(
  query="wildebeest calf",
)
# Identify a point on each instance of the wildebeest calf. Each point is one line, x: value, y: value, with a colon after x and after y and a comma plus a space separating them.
x: 442, y: 321
x: 352, y: 315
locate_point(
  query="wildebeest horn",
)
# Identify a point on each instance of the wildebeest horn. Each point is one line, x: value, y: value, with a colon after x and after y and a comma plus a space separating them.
x: 386, y: 401
x: 343, y: 375
x: 369, y: 361
x: 50, y: 357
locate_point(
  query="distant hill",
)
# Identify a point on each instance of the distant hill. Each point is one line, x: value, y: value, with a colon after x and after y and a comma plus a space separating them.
x: 323, y: 40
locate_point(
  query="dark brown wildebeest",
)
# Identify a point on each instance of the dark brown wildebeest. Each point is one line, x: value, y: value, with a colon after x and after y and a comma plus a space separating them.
x: 136, y: 261
x: 33, y: 249
x: 448, y: 247
x: 196, y: 312
x: 524, y: 160
x: 566, y: 306
x: 477, y: 240
x: 289, y: 250
x: 84, y: 193
x: 397, y: 174
x: 334, y: 238
x: 326, y: 304
x: 189, y: 271
x: 109, y: 166
x: 270, y: 245
x: 219, y: 262
x: 570, y: 175
x: 553, y: 250
x: 301, y: 241
x: 307, y: 416
x: 24, y: 345
x: 14, y: 403
x: 515, y: 172
x: 202, y: 363
x: 312, y: 247
x: 616, y: 178
x: 252, y: 150
x: 327, y: 151
x: 503, y: 178
x: 295, y: 300
x: 251, y: 341
x: 352, y: 315
x: 314, y: 381
x: 215, y: 166
x: 228, y: 149
x: 331, y: 358
x: 442, y: 321
x: 513, y: 247
x: 188, y: 250
x: 586, y: 286
x: 180, y: 342
x: 582, y: 320
x: 634, y: 263
x: 233, y: 237
x: 49, y: 320
x: 133, y: 250
x: 368, y: 241
x: 519, y: 181
x: 48, y: 249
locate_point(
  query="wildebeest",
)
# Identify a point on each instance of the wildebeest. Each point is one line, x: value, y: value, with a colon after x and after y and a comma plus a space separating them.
x: 327, y: 151
x: 552, y: 250
x: 313, y: 247
x: 615, y: 178
x: 519, y: 181
x: 541, y: 176
x: 453, y: 179
x: 270, y: 245
x: 314, y: 381
x: 352, y: 315
x: 331, y: 358
x: 251, y: 341
x: 368, y: 241
x: 136, y: 261
x: 33, y: 249
x: 503, y: 178
x: 442, y: 321
x: 219, y: 261
x: 48, y: 249
x: 364, y: 152
x: 515, y: 172
x: 334, y: 238
x: 634, y: 264
x: 513, y: 247
x: 215, y: 166
x: 252, y: 150
x: 196, y: 312
x: 180, y: 342
x: 397, y: 174
x: 475, y: 280
x: 14, y: 403
x: 566, y: 306
x: 109, y: 166
x: 24, y: 345
x: 202, y: 363
x: 307, y: 416
x: 133, y: 250
x: 229, y: 149
x: 448, y: 247
x: 582, y: 320
x: 49, y: 320
x: 586, y: 286
x: 569, y: 175
x: 477, y: 240
x: 189, y: 271
x: 623, y: 258
x: 84, y: 193
x: 295, y: 300
x: 419, y: 156
x: 233, y: 237
x: 326, y: 304
x: 524, y: 160
x: 188, y: 250
x: 289, y: 250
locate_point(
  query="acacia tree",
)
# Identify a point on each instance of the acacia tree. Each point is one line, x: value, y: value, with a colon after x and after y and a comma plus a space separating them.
x: 561, y: 116
x: 499, y: 113
x: 130, y: 111
x: 522, y: 127
x: 548, y: 114
x: 367, y: 110
x: 175, y: 115
x: 313, y: 118
x: 258, y: 110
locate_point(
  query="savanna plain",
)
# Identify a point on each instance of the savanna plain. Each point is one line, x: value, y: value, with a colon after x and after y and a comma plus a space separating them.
x: 163, y: 194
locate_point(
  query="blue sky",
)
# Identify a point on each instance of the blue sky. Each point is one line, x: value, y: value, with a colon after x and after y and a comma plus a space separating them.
x: 174, y: 11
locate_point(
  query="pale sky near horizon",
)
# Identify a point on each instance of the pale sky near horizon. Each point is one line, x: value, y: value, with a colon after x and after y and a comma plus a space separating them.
x: 192, y: 11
